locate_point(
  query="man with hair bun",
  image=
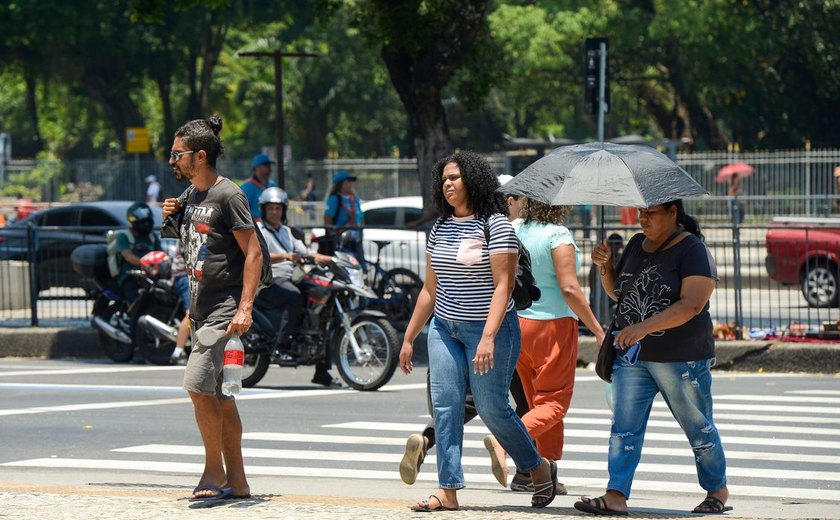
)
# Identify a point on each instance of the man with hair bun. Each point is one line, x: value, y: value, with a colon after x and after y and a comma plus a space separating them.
x: 223, y: 261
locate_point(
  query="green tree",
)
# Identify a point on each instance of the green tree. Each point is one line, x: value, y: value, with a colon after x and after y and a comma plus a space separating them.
x: 422, y: 45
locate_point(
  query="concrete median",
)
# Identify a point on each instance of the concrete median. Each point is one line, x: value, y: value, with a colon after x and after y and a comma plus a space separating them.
x: 749, y: 356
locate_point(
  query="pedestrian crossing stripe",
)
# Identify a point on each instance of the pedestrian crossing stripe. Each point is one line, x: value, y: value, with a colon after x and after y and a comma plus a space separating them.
x: 604, y: 434
x: 723, y: 427
x: 685, y: 467
x: 740, y: 417
x: 773, y: 456
x: 770, y: 408
x: 482, y: 478
x: 778, y: 399
x: 814, y: 392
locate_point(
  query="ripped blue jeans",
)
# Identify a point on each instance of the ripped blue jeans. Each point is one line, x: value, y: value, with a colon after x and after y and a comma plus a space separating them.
x: 687, y: 390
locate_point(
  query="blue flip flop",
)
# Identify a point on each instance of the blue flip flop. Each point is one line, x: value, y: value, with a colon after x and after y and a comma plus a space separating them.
x: 220, y: 493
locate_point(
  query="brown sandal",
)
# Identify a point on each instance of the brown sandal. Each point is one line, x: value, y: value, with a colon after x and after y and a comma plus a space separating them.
x: 415, y: 453
x: 426, y: 507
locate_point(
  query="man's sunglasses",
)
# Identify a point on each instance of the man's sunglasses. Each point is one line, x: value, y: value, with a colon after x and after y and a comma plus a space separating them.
x: 177, y: 155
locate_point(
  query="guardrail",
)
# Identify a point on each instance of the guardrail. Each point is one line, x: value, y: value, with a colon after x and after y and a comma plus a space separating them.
x: 40, y: 288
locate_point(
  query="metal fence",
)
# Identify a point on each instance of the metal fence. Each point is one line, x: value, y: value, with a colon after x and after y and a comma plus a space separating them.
x: 795, y: 182
x: 746, y: 297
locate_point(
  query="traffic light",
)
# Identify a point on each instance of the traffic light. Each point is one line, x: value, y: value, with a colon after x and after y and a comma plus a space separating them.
x: 592, y: 75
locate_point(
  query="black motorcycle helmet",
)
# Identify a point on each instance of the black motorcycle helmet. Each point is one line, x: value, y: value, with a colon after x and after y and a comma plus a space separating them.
x: 140, y: 219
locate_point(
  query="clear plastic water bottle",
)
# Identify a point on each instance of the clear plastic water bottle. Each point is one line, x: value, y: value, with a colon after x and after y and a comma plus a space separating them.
x: 232, y: 370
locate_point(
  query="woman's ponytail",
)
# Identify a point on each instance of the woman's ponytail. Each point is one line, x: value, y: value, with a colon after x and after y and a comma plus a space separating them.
x: 688, y: 222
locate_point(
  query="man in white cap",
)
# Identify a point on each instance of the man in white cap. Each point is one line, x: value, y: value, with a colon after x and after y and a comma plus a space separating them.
x: 152, y: 190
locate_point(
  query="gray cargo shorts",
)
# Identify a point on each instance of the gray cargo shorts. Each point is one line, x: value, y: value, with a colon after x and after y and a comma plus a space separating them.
x: 203, y: 373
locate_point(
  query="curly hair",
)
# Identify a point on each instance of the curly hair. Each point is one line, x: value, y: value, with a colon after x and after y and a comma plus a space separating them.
x: 479, y: 179
x: 542, y: 213
x: 203, y: 134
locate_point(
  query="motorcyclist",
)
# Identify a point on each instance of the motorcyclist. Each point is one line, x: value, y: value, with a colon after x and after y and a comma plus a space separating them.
x: 131, y: 249
x: 282, y: 296
x: 180, y: 284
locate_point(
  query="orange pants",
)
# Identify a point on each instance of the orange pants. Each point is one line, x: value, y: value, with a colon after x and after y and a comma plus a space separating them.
x: 546, y: 367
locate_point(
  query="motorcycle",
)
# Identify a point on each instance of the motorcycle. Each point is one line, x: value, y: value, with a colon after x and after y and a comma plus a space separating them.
x: 157, y: 311
x: 362, y: 343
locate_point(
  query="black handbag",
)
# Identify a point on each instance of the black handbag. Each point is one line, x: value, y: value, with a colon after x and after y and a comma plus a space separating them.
x: 607, y: 353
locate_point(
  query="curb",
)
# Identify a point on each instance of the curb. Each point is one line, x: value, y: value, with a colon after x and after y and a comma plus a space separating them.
x: 744, y: 356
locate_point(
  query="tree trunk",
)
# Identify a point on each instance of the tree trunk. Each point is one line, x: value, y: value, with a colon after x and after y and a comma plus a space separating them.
x: 164, y: 91
x: 120, y: 109
x: 656, y: 108
x: 214, y: 39
x: 193, y: 108
x: 419, y: 74
x: 431, y: 140
x: 32, y: 112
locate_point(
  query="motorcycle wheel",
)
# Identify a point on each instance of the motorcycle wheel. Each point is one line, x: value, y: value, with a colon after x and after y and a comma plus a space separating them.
x: 379, y: 354
x: 116, y: 350
x: 154, y: 349
x: 256, y: 361
x: 400, y: 290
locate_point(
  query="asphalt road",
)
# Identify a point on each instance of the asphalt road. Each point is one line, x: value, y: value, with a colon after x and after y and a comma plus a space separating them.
x: 99, y: 424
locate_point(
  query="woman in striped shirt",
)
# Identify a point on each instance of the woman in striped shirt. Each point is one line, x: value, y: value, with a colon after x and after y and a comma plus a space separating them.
x: 474, y: 337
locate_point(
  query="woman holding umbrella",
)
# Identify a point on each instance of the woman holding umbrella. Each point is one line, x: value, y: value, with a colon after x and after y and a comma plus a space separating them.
x: 665, y: 279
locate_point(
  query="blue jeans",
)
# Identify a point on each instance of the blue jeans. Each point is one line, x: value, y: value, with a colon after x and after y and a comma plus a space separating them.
x: 181, y: 286
x: 687, y: 390
x: 452, y: 347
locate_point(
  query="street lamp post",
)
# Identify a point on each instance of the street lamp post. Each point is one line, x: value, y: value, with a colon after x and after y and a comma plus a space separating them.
x: 278, y: 102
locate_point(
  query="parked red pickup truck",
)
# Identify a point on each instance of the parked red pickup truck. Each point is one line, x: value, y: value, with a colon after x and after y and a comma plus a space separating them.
x: 806, y: 251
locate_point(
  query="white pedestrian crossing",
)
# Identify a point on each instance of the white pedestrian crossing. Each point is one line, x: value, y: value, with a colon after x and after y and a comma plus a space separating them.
x: 771, y: 450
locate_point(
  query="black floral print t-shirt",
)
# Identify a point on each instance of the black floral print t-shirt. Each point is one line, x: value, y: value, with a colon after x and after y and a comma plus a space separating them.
x: 656, y: 288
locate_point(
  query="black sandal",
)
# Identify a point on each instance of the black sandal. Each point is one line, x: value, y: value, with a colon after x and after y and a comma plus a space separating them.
x: 541, y: 489
x: 711, y: 506
x: 597, y: 506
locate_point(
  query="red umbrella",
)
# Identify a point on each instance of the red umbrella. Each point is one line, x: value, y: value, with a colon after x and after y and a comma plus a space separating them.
x: 731, y: 170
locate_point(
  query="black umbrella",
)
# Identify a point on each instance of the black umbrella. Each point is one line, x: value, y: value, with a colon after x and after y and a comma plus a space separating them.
x: 604, y: 173
x: 607, y: 174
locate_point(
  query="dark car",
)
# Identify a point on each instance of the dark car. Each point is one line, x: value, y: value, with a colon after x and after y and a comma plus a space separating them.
x: 57, y: 231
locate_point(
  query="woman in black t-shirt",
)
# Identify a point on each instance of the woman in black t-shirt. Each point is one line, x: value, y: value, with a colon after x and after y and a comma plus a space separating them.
x: 665, y: 309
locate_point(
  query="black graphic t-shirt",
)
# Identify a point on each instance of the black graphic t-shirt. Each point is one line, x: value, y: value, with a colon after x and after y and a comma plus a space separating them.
x: 656, y: 288
x: 215, y: 263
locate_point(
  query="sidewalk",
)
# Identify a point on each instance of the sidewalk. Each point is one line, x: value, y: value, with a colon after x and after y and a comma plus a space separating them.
x: 129, y: 503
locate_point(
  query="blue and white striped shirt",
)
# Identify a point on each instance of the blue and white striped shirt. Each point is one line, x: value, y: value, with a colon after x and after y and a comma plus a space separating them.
x: 461, y: 261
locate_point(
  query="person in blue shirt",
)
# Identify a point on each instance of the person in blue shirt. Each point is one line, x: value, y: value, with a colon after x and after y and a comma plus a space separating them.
x: 259, y: 180
x: 343, y: 212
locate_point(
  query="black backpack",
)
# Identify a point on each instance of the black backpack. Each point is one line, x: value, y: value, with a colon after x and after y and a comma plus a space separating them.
x: 266, y: 274
x: 525, y: 291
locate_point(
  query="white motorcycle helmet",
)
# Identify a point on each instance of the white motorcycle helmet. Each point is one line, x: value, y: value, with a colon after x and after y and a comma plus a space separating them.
x: 273, y: 196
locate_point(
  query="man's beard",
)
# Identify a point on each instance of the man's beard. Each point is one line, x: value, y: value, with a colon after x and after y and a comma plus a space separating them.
x: 180, y: 175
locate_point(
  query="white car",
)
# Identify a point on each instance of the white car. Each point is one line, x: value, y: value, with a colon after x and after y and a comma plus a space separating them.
x: 385, y: 221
